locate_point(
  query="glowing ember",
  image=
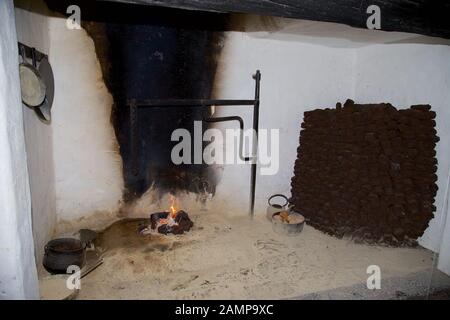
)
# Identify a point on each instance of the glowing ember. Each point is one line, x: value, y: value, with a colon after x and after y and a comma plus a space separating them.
x: 173, y: 221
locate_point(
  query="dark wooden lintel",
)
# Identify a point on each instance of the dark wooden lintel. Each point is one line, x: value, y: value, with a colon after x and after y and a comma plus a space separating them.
x: 427, y: 17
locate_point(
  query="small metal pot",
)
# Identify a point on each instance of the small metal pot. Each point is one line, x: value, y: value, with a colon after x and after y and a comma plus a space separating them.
x: 62, y: 253
x: 293, y: 228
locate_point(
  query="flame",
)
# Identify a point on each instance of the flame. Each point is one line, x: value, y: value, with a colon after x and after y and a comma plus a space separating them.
x: 173, y: 210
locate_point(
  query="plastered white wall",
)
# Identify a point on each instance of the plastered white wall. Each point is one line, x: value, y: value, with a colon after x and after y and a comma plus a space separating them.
x: 88, y: 168
x: 296, y: 77
x: 406, y: 74
x: 18, y: 275
x: 327, y: 34
x: 32, y: 30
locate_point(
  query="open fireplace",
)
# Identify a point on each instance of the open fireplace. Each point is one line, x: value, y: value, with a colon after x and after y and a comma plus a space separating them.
x: 228, y: 150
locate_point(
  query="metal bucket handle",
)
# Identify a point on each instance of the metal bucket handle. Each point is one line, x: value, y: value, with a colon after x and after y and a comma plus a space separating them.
x: 278, y: 195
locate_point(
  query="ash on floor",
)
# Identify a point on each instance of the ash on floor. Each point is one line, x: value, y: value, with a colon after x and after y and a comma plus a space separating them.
x: 226, y: 257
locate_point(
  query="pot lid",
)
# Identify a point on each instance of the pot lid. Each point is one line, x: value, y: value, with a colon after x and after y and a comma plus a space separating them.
x: 33, y: 89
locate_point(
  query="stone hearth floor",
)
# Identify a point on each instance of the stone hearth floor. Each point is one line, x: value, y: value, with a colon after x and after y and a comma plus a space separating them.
x: 226, y: 257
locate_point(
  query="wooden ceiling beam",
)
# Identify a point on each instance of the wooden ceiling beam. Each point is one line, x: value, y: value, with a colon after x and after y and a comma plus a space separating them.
x: 426, y: 17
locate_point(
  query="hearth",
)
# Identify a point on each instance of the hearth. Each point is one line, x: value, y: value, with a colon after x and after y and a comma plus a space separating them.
x: 172, y: 130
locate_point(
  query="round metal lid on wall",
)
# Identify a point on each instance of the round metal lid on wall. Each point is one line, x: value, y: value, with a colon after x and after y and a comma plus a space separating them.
x: 37, y: 82
x: 33, y: 88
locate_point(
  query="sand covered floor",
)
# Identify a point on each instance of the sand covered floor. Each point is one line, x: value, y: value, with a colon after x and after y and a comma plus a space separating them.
x: 226, y: 257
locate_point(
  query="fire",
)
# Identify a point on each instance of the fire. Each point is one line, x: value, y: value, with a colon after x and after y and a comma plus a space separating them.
x: 172, y: 213
x: 173, y: 221
x: 173, y: 210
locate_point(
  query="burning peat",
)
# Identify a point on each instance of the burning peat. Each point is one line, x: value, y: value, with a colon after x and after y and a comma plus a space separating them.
x: 171, y: 221
x: 167, y: 222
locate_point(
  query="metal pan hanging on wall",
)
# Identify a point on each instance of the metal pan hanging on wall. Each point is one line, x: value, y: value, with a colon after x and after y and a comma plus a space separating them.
x: 32, y: 86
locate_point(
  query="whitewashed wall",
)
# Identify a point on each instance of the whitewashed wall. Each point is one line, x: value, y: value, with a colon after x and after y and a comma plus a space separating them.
x: 18, y: 276
x: 33, y: 30
x: 296, y: 77
x: 88, y: 168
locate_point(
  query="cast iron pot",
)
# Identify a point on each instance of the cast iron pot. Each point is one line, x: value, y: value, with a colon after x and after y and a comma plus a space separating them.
x: 62, y: 253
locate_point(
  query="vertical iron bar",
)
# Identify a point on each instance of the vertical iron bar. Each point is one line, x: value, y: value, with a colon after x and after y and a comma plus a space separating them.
x: 257, y: 77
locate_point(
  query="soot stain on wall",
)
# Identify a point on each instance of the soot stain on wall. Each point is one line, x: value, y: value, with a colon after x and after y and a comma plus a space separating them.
x: 150, y: 52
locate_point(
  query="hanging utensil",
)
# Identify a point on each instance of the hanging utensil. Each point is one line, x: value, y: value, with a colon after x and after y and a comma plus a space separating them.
x: 33, y: 89
x: 37, y: 83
